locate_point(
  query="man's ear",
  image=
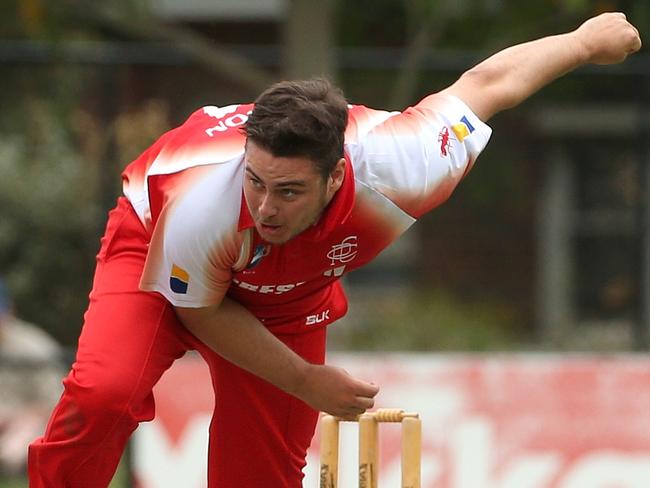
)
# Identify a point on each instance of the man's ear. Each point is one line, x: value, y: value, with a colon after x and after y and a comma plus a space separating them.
x: 335, y: 179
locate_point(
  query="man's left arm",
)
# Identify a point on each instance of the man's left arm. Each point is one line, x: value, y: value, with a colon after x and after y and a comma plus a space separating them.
x: 231, y: 331
x: 510, y: 76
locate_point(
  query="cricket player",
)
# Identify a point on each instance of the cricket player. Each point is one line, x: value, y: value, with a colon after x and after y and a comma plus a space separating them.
x: 231, y: 237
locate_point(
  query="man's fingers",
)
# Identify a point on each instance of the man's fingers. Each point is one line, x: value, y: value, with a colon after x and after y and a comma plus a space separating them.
x: 637, y: 41
x: 362, y: 404
x: 365, y: 402
x: 367, y: 389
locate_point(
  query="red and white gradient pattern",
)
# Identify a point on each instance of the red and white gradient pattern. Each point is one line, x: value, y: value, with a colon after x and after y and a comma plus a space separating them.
x: 404, y: 158
x: 187, y: 190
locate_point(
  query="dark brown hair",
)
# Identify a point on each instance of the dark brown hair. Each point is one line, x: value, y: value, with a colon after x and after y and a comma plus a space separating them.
x: 305, y: 118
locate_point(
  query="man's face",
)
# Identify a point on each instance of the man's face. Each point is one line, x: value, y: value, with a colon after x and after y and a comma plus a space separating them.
x: 286, y: 195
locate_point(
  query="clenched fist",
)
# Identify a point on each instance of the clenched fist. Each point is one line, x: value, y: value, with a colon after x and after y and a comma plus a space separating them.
x: 608, y: 38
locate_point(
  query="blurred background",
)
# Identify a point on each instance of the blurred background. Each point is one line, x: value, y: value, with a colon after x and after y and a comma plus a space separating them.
x: 543, y: 247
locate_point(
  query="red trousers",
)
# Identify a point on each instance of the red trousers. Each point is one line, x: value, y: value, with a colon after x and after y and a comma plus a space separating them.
x: 259, y: 435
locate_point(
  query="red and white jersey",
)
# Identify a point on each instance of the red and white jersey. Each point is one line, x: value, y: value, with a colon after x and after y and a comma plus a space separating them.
x: 187, y: 190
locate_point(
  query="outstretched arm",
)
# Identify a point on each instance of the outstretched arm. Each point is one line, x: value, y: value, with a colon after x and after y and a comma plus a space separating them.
x: 510, y: 76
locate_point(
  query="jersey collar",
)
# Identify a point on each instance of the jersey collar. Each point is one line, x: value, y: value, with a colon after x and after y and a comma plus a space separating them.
x: 245, y: 218
x: 335, y: 214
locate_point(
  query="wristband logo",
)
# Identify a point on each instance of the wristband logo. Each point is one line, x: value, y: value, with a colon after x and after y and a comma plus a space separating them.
x: 178, y: 280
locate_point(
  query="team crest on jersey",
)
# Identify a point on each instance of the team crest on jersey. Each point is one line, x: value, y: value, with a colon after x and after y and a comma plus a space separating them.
x: 445, y: 141
x: 341, y: 253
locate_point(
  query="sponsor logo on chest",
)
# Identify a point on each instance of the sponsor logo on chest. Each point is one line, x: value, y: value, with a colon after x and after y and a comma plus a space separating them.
x: 339, y: 255
x: 267, y: 289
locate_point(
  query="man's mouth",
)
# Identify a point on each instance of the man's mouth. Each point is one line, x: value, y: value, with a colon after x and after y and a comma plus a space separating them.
x: 270, y: 228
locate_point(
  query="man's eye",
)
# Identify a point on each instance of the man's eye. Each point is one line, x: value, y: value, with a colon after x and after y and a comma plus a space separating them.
x: 255, y: 183
x: 288, y: 193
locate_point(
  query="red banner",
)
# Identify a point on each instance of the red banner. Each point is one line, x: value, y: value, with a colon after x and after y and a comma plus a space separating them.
x: 521, y: 421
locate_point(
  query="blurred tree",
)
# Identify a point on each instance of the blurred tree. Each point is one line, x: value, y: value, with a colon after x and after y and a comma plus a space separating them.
x: 32, y: 16
x: 48, y: 214
x: 140, y: 24
x: 309, y: 39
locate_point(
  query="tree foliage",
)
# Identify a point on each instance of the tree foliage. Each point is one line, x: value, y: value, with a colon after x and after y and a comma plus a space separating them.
x: 48, y: 219
x: 57, y: 149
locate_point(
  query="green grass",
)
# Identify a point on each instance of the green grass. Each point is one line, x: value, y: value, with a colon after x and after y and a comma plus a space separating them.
x: 18, y: 483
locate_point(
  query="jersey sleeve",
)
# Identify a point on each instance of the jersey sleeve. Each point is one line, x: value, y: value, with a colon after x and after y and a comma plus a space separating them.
x: 417, y: 157
x: 195, y: 242
x: 211, y: 135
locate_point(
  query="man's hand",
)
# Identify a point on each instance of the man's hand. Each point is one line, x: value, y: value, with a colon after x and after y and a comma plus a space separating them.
x: 334, y: 391
x: 608, y: 38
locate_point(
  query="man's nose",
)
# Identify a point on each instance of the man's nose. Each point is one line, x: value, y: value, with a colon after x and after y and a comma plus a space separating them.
x: 267, y: 207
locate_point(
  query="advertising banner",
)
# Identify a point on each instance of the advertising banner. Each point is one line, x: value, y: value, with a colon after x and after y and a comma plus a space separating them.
x: 498, y: 421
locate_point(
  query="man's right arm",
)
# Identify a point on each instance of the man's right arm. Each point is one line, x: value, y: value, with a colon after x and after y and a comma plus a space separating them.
x: 510, y: 76
x: 235, y: 334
